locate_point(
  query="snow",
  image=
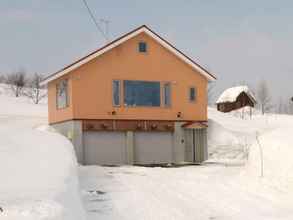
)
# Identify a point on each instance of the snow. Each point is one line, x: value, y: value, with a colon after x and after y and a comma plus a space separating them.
x: 227, y: 187
x: 191, y: 192
x: 277, y: 153
x: 38, y: 168
x: 21, y: 106
x: 231, y: 94
x: 40, y: 178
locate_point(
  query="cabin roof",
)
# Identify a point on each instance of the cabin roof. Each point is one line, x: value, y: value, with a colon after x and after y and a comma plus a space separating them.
x: 231, y: 94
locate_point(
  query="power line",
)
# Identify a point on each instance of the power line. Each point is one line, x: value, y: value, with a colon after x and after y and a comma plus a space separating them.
x: 94, y: 20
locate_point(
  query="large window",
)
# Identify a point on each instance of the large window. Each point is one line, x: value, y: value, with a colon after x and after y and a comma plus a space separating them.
x: 116, y: 92
x: 142, y: 93
x: 167, y: 94
x: 62, y: 94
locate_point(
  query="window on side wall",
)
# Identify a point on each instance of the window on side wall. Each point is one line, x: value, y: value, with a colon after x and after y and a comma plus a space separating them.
x: 116, y: 92
x: 192, y: 94
x: 62, y: 94
x: 167, y: 94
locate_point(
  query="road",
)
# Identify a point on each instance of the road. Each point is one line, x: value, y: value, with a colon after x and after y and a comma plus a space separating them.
x: 194, y: 192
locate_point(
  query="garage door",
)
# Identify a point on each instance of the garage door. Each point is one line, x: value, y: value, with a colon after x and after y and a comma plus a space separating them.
x: 104, y: 148
x: 153, y: 147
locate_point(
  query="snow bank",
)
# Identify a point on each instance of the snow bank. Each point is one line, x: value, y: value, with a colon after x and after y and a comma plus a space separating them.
x: 228, y: 136
x: 223, y: 144
x: 231, y: 94
x: 38, y: 168
x: 232, y: 138
x: 277, y: 148
x: 38, y: 176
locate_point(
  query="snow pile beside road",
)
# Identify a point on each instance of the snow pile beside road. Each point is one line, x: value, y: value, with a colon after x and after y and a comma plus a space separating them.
x: 38, y: 168
x: 38, y: 176
x: 232, y: 138
x: 228, y: 136
x: 223, y: 144
x: 277, y: 148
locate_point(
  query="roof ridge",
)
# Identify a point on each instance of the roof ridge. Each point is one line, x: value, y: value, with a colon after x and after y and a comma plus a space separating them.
x: 47, y: 78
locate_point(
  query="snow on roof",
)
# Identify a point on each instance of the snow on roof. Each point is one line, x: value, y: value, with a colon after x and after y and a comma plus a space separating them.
x: 231, y: 94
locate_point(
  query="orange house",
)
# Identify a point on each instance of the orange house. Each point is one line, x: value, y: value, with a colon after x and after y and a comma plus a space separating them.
x: 137, y: 100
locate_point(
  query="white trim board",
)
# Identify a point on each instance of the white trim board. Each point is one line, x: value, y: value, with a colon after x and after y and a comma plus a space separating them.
x: 122, y: 40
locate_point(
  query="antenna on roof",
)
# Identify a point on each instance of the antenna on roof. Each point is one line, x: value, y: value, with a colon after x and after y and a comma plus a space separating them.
x: 106, y: 27
x: 95, y: 21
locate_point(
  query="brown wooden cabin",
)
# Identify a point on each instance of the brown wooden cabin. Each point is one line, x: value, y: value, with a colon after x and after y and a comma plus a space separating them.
x: 242, y: 100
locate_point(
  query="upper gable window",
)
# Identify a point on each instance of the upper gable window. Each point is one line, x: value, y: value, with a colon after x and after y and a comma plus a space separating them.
x: 62, y: 94
x: 142, y: 47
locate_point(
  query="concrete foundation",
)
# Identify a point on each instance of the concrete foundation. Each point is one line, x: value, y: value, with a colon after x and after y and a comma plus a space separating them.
x: 73, y: 131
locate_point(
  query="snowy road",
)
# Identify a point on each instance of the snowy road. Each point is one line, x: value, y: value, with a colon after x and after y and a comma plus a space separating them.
x: 194, y: 192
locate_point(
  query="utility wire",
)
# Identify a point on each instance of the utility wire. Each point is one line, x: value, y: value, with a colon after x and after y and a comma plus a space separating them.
x: 94, y: 20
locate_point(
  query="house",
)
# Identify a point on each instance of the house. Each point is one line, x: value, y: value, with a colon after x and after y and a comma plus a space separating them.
x: 235, y: 98
x: 137, y: 100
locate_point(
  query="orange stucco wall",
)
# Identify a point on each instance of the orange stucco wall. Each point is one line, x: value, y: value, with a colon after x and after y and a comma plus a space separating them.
x: 91, y: 85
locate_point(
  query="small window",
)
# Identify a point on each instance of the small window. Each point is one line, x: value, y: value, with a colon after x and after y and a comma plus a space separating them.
x: 192, y: 94
x: 167, y: 94
x: 142, y: 47
x: 116, y: 92
x: 62, y: 94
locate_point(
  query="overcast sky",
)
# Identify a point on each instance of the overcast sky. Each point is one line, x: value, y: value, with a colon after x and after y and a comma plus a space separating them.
x: 239, y: 41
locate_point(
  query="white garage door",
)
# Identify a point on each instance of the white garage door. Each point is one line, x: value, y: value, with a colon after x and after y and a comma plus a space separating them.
x: 104, y: 148
x: 153, y: 147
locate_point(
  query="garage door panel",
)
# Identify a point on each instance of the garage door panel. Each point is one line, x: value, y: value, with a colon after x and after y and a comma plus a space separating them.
x: 153, y: 147
x: 105, y: 148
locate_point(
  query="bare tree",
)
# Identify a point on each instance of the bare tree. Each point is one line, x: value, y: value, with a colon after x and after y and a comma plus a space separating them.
x: 2, y: 78
x: 17, y: 81
x: 290, y: 107
x: 264, y: 98
x: 33, y: 90
x: 281, y: 107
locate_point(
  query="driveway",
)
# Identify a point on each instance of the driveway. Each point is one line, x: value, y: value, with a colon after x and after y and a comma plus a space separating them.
x: 192, y: 192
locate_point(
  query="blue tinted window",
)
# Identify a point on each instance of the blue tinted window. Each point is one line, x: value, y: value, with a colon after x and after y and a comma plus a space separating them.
x: 192, y: 94
x: 116, y: 92
x: 142, y: 47
x: 141, y: 93
x: 167, y: 94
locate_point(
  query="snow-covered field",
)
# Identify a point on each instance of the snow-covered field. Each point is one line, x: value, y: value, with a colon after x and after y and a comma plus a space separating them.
x: 39, y: 173
x: 38, y: 169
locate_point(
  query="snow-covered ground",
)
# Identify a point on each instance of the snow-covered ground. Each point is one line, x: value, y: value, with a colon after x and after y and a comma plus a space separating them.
x: 227, y: 187
x: 192, y: 192
x: 38, y: 169
x: 39, y: 174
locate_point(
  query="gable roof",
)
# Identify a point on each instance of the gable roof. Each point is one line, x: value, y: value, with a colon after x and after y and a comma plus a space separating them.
x: 120, y: 40
x: 231, y: 94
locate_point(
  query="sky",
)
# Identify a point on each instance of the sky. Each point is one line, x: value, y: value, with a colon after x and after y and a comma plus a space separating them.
x: 241, y: 42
